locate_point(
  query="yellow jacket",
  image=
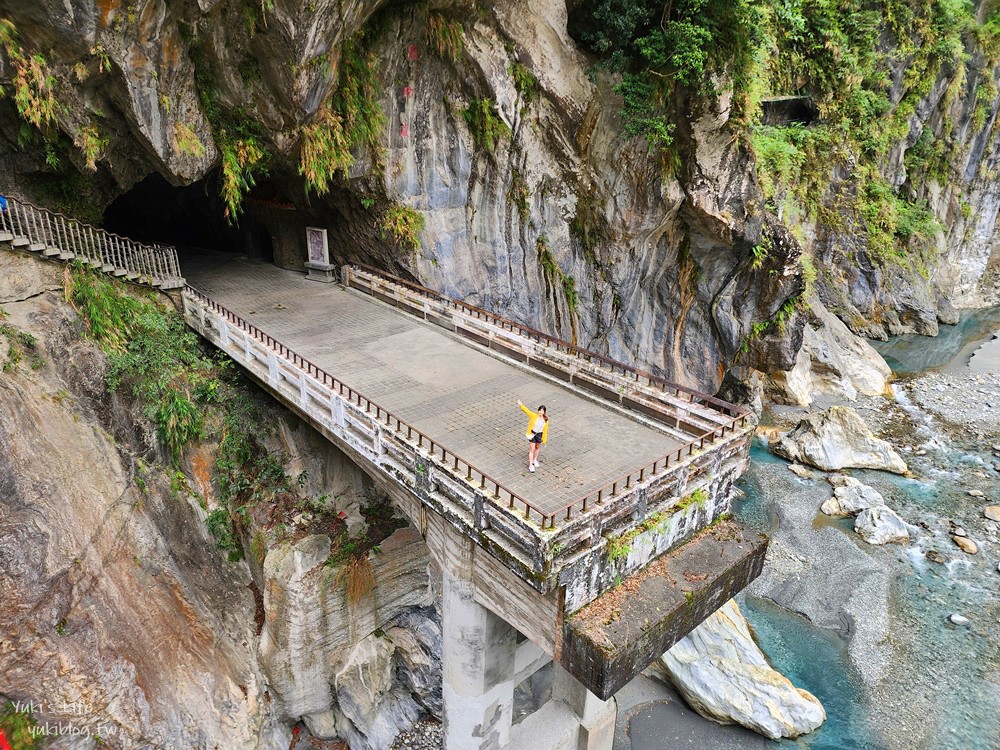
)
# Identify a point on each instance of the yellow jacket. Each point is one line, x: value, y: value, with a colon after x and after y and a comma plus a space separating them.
x: 532, y: 416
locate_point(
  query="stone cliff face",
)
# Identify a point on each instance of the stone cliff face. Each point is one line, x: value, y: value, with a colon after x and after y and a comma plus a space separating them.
x: 504, y: 136
x: 116, y: 605
x: 121, y: 617
x: 563, y: 222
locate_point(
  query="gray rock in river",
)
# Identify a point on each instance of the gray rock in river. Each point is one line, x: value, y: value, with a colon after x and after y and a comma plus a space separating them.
x: 851, y: 497
x: 837, y: 439
x: 881, y: 525
x: 724, y: 676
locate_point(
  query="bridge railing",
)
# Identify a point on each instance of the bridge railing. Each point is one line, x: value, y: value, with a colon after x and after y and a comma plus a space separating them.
x: 728, y: 420
x: 501, y: 494
x: 638, y: 375
x: 436, y: 450
x: 56, y: 235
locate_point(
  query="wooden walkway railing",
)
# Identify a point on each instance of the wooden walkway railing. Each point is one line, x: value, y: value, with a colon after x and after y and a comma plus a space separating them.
x: 57, y: 236
x: 728, y: 418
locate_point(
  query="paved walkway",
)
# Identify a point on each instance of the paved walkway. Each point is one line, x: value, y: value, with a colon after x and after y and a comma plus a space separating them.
x: 461, y: 397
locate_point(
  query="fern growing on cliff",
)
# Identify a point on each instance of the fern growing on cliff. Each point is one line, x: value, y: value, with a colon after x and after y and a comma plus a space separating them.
x: 325, y: 151
x: 352, y: 118
x: 34, y: 84
x: 445, y: 37
x: 402, y: 225
x: 150, y: 352
x: 91, y: 144
x: 485, y: 123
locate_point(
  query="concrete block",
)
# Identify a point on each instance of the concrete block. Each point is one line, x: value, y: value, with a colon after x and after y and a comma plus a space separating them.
x: 616, y: 636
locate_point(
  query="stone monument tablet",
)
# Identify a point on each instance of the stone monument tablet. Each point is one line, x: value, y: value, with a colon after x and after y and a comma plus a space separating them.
x: 318, y: 251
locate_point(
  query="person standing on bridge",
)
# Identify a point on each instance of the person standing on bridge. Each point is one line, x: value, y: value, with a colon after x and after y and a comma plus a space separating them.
x: 537, y: 434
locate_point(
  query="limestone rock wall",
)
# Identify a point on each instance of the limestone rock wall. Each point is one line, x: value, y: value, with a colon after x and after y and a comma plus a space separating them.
x: 121, y: 616
x: 565, y: 224
x: 318, y: 649
x: 116, y: 603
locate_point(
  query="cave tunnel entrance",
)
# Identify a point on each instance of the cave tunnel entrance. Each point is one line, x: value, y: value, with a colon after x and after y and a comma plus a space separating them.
x: 788, y: 110
x: 271, y: 228
x: 192, y: 218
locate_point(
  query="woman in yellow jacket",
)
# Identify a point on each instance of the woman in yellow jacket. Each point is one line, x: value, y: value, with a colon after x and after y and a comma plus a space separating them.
x: 537, y: 434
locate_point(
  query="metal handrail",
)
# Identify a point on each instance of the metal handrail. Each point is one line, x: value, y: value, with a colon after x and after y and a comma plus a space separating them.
x: 694, y: 396
x: 450, y: 459
x: 150, y: 263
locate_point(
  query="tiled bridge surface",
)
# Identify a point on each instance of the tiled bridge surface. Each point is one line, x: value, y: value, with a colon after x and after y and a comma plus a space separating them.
x: 463, y: 398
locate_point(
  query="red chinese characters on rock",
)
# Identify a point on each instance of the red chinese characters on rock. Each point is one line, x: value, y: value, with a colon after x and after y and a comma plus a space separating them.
x: 413, y: 52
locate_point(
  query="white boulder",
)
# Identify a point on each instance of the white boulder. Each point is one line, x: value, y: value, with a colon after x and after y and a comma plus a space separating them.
x: 838, y: 439
x: 832, y: 361
x: 374, y: 708
x: 850, y: 497
x: 881, y: 525
x: 724, y: 676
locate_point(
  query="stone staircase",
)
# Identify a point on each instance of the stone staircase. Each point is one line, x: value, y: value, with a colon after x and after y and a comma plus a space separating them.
x: 28, y: 227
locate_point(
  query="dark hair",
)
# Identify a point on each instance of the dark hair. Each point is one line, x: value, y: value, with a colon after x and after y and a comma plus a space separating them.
x: 546, y: 414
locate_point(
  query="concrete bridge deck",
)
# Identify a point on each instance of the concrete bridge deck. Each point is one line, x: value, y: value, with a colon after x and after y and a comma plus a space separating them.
x: 460, y: 396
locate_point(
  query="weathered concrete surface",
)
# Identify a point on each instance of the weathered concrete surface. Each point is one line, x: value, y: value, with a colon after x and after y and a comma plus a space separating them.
x: 617, y: 635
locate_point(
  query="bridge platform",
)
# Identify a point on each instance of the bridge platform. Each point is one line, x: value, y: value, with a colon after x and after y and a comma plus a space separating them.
x: 612, y: 551
x: 461, y: 397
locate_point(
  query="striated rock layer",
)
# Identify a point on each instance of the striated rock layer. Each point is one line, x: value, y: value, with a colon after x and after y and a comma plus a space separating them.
x: 838, y: 439
x: 725, y: 677
x: 116, y: 603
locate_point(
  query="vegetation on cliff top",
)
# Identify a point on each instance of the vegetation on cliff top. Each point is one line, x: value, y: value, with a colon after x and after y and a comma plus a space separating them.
x: 840, y: 54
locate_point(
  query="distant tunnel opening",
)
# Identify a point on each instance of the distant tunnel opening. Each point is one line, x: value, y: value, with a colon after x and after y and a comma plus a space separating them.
x: 788, y: 110
x: 190, y: 217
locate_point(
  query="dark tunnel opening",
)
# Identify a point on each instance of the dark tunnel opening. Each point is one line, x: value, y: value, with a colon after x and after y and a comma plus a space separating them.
x: 788, y: 110
x: 278, y: 217
x: 190, y: 217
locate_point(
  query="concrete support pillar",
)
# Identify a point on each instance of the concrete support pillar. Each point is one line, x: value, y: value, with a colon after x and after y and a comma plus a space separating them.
x: 596, y: 717
x: 478, y: 661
